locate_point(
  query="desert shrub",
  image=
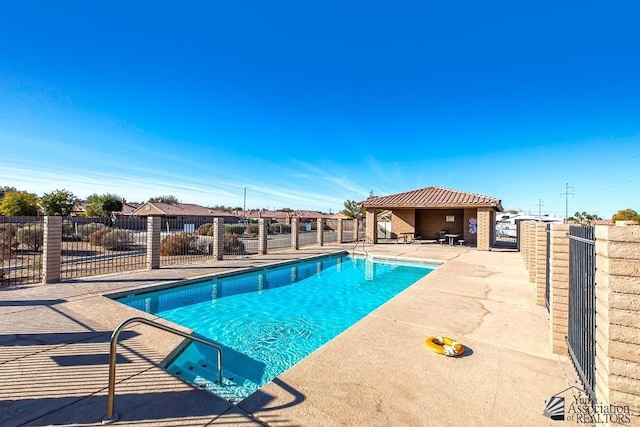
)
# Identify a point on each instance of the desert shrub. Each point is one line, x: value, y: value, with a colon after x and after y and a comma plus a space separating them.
x: 86, y: 230
x: 278, y: 227
x: 7, y: 239
x: 117, y: 239
x: 252, y: 229
x: 95, y: 238
x: 233, y: 244
x: 237, y: 229
x: 68, y: 231
x: 178, y: 244
x: 30, y: 236
x: 204, y: 229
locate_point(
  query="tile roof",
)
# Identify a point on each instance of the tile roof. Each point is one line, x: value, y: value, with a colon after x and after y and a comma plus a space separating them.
x: 433, y: 197
x: 178, y: 209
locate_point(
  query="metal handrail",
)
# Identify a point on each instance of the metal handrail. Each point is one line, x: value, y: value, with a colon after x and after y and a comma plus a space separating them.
x: 112, y: 416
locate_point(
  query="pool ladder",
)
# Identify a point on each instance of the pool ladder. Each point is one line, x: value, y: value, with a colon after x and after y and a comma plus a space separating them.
x: 112, y: 416
x: 363, y: 248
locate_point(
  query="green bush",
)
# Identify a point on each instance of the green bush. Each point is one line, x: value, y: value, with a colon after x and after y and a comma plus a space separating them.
x: 96, y: 237
x: 178, y: 244
x: 237, y: 229
x: 30, y: 236
x: 117, y: 240
x: 204, y: 229
x: 233, y: 244
x: 86, y: 230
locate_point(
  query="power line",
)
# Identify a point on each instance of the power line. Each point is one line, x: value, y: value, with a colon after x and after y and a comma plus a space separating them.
x: 566, y: 200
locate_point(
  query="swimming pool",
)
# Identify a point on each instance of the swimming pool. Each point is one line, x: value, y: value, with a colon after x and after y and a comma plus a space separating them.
x: 266, y: 321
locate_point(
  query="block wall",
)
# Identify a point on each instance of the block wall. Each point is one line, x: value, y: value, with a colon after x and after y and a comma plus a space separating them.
x: 618, y: 317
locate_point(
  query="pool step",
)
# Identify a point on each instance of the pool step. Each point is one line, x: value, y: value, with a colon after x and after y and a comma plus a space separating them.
x: 205, y: 376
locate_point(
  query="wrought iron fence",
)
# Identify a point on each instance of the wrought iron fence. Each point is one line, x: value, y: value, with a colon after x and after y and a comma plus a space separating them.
x: 582, y: 314
x: 21, y: 240
x: 547, y: 292
x: 308, y: 233
x: 92, y: 246
x: 278, y: 236
x: 184, y: 242
x: 330, y: 234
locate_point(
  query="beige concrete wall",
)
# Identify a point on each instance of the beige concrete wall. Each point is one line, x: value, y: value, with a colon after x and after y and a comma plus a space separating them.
x: 403, y: 221
x: 153, y: 241
x: 618, y: 317
x: 559, y: 297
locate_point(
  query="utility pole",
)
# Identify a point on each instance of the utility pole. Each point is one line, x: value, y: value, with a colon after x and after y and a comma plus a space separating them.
x: 540, y: 203
x: 566, y: 194
x: 244, y: 206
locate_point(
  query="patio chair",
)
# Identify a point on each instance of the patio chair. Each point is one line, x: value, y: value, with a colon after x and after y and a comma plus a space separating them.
x: 442, y: 239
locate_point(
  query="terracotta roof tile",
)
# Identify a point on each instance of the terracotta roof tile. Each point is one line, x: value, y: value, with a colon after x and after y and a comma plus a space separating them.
x: 432, y: 197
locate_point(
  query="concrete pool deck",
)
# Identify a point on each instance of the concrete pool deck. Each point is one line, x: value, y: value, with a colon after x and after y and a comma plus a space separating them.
x: 55, y: 345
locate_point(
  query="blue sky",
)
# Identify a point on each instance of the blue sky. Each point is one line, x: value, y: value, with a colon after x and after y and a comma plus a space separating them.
x: 308, y: 104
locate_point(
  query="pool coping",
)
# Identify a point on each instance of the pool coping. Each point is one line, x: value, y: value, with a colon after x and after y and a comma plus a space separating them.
x: 78, y: 307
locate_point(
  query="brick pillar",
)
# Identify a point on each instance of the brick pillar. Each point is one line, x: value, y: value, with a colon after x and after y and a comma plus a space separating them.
x: 339, y: 238
x: 484, y: 229
x: 262, y: 237
x: 559, y: 298
x: 371, y: 226
x: 541, y: 262
x: 295, y: 243
x: 320, y: 231
x: 218, y: 239
x: 51, y: 249
x: 617, y: 324
x: 154, y: 224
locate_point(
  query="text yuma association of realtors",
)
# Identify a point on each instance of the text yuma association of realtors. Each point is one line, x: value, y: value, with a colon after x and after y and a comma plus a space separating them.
x: 582, y: 411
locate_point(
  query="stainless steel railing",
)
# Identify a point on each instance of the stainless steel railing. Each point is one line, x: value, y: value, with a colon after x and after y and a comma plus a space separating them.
x: 112, y: 416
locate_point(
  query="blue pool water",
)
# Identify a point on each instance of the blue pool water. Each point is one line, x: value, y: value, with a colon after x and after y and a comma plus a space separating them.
x: 267, y: 321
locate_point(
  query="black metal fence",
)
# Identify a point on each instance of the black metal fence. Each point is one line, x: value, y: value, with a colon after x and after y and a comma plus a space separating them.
x: 185, y: 242
x: 582, y: 314
x: 92, y: 246
x: 547, y: 292
x: 21, y: 244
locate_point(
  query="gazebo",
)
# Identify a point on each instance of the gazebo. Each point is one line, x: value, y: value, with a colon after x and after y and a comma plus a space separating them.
x: 430, y: 212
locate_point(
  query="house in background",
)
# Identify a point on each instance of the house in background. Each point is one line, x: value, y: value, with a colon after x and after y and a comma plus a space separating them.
x: 428, y: 212
x: 182, y: 212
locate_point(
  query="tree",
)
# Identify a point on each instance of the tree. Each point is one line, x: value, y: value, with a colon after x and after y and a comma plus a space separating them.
x: 59, y: 202
x: 4, y: 190
x: 103, y: 205
x: 352, y: 209
x: 626, y: 215
x: 584, y: 218
x: 19, y: 203
x: 165, y: 199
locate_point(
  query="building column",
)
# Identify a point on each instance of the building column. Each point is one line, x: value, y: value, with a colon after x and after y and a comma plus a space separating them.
x: 153, y: 241
x: 339, y: 230
x: 218, y: 239
x: 540, y: 229
x: 320, y: 231
x: 262, y: 237
x: 484, y: 229
x: 371, y: 226
x: 51, y: 249
x: 559, y: 298
x: 294, y: 234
